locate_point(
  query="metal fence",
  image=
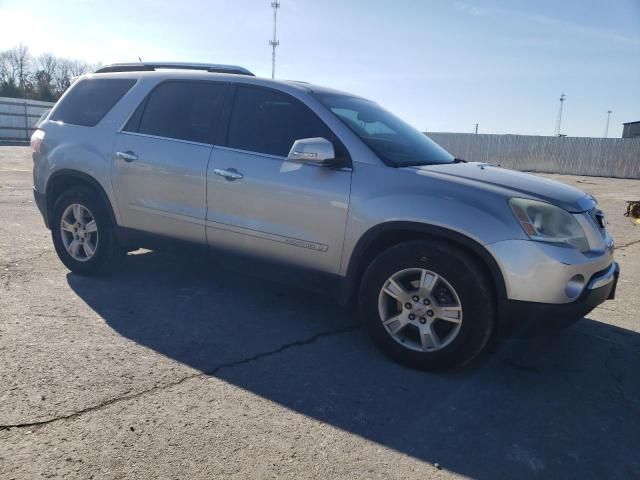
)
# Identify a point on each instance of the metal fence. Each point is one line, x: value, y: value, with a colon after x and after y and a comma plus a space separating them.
x: 599, y: 157
x: 18, y: 117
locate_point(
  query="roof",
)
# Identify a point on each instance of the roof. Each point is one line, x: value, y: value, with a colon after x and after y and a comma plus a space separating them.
x: 631, y: 123
x: 189, y: 71
x: 152, y: 66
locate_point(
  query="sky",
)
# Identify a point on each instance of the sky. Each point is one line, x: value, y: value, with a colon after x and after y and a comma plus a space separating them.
x: 441, y: 65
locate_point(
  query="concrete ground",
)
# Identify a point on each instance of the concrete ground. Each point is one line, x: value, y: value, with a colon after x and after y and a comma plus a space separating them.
x: 177, y: 368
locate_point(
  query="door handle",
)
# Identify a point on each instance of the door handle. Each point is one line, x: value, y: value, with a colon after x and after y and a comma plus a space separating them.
x: 127, y: 156
x: 228, y: 174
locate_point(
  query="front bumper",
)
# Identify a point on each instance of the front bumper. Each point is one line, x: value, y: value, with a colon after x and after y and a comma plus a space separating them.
x: 548, y: 273
x: 601, y: 287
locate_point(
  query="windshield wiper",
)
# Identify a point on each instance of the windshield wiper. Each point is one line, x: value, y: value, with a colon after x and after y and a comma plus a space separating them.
x: 459, y: 160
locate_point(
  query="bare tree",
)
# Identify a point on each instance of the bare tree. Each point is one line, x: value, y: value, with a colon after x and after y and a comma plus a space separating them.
x: 62, y: 75
x: 20, y: 62
x: 44, y: 78
x: 79, y: 67
x: 7, y: 72
x: 47, y: 64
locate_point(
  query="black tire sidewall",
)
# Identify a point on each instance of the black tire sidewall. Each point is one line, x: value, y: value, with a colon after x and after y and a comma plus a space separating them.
x: 465, y: 276
x: 90, y: 200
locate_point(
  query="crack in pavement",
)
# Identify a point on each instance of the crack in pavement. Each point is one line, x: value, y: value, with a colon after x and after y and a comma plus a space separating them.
x: 63, y: 317
x: 633, y: 348
x: 28, y: 259
x: 625, y: 245
x: 159, y: 388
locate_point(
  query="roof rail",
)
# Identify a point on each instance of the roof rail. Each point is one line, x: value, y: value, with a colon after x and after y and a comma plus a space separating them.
x: 148, y: 67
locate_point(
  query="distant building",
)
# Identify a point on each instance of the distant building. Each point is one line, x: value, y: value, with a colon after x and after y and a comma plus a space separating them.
x: 631, y: 129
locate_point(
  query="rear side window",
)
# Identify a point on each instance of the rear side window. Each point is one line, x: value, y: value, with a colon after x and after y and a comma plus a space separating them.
x: 266, y: 121
x: 181, y: 110
x: 90, y: 100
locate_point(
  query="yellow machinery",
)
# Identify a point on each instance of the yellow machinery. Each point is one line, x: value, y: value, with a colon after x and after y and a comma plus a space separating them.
x: 633, y: 212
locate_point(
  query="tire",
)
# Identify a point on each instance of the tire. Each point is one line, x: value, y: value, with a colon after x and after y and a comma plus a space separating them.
x: 107, y: 253
x: 466, y: 299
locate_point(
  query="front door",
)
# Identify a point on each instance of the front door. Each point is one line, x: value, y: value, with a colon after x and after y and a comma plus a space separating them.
x: 260, y: 203
x: 160, y: 159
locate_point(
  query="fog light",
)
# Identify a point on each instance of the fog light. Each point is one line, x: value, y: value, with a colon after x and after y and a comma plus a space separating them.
x: 574, y: 286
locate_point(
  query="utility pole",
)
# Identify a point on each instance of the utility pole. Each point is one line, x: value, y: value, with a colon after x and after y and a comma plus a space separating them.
x: 476, y: 129
x: 559, y: 122
x: 274, y: 43
x: 606, y: 127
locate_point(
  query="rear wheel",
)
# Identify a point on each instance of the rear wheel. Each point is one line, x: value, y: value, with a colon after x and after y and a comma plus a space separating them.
x: 427, y: 305
x: 83, y: 234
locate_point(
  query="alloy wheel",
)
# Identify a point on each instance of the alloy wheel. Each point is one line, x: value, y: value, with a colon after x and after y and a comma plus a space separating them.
x: 79, y: 232
x: 420, y: 309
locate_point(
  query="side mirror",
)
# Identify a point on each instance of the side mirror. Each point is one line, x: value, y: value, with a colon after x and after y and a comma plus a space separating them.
x: 318, y: 151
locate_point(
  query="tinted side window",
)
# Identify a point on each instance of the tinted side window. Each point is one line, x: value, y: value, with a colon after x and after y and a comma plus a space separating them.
x: 90, y: 100
x: 182, y: 110
x: 134, y: 120
x: 268, y: 122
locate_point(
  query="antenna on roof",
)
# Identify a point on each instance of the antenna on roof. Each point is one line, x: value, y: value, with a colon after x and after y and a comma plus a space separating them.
x: 274, y: 43
x: 140, y: 58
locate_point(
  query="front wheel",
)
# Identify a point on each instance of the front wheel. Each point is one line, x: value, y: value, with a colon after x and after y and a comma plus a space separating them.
x: 427, y: 305
x: 82, y: 233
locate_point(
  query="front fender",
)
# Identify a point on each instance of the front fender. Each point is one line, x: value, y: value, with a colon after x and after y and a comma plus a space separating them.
x: 385, y: 196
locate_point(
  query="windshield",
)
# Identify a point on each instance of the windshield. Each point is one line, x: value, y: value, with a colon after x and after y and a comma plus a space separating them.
x: 397, y: 143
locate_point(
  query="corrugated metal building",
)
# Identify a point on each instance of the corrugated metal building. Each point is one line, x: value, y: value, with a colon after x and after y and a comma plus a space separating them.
x: 631, y: 129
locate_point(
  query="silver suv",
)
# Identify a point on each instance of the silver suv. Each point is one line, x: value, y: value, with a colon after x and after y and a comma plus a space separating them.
x: 438, y: 253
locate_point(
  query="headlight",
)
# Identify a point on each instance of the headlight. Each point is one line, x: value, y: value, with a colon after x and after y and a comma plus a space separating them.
x: 547, y: 223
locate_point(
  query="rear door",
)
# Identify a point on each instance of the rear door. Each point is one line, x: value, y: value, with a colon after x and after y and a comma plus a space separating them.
x: 160, y: 159
x: 275, y: 208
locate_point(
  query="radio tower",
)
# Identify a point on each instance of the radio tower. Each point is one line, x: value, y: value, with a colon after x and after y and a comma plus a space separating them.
x: 559, y: 122
x: 606, y: 127
x: 274, y: 43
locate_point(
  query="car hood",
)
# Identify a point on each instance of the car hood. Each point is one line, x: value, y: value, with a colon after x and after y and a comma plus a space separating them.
x: 518, y: 183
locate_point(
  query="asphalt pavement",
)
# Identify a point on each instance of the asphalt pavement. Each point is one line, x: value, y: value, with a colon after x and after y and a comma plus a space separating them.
x: 176, y: 366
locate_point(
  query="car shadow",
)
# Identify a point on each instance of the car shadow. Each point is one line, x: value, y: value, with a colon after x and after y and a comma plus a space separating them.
x: 553, y: 406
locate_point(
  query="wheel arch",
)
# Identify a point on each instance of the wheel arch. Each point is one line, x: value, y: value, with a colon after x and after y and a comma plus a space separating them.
x: 385, y: 235
x: 64, y: 179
